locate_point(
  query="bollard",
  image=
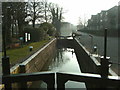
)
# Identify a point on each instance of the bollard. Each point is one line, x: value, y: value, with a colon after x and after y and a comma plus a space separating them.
x: 30, y: 48
x: 22, y: 85
x: 73, y: 35
x: 104, y: 67
x: 6, y: 65
x: 95, y: 49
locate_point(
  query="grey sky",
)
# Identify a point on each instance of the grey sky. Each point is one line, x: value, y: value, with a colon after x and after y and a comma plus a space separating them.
x: 83, y: 8
x: 80, y: 8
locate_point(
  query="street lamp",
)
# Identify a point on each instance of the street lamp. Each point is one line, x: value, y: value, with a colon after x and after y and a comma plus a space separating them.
x: 104, y: 59
x: 5, y: 58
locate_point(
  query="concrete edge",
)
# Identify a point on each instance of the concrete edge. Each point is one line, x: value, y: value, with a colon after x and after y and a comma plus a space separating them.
x: 35, y: 54
x: 95, y: 60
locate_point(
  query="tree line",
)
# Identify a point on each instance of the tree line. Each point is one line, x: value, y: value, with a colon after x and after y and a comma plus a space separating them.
x: 17, y: 15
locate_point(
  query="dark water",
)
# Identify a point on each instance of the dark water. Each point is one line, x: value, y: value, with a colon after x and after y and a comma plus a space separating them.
x: 64, y: 61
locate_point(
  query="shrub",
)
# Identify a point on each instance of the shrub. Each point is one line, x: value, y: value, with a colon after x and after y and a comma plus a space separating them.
x: 48, y: 28
x: 37, y: 34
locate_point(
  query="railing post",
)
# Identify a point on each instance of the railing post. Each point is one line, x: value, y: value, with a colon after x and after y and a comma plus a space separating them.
x: 50, y: 80
x: 60, y: 85
x: 104, y: 67
x: 22, y: 84
x: 60, y: 82
x: 50, y: 85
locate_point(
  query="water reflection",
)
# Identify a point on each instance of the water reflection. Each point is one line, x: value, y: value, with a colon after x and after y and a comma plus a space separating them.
x: 62, y: 57
x: 65, y: 61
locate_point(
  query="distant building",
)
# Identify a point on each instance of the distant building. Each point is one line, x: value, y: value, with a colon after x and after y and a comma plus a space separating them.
x: 113, y: 18
x: 79, y: 27
x: 119, y: 15
x: 66, y: 29
x: 104, y: 19
x: 92, y: 25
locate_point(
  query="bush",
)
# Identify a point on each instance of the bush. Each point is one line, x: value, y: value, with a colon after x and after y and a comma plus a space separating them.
x: 48, y: 28
x: 37, y: 34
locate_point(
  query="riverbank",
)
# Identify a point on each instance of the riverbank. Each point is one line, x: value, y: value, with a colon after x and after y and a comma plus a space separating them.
x: 35, y: 62
x: 20, y: 54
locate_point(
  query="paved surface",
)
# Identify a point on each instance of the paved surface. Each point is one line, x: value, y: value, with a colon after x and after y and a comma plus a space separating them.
x: 89, y: 41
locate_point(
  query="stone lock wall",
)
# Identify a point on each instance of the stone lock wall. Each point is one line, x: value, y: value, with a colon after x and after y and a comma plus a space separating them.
x: 35, y: 62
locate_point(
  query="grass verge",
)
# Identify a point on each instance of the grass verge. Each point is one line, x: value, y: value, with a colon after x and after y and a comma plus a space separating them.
x: 17, y: 55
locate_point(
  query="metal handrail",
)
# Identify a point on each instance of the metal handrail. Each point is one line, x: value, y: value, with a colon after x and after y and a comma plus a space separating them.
x: 47, y: 77
x: 62, y: 78
x: 93, y: 79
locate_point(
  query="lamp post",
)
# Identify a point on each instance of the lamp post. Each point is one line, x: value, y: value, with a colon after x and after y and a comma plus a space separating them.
x: 5, y: 58
x: 104, y: 59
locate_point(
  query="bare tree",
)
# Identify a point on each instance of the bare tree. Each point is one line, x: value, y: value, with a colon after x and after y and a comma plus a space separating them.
x: 80, y: 24
x: 56, y: 12
x: 46, y: 10
x: 85, y: 21
x: 13, y: 20
x: 34, y: 11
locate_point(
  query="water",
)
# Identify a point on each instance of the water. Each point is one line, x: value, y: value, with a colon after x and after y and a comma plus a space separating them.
x: 65, y: 61
x: 64, y: 58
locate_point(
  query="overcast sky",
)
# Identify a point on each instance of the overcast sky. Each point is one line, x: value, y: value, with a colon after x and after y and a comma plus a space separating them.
x: 83, y: 8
